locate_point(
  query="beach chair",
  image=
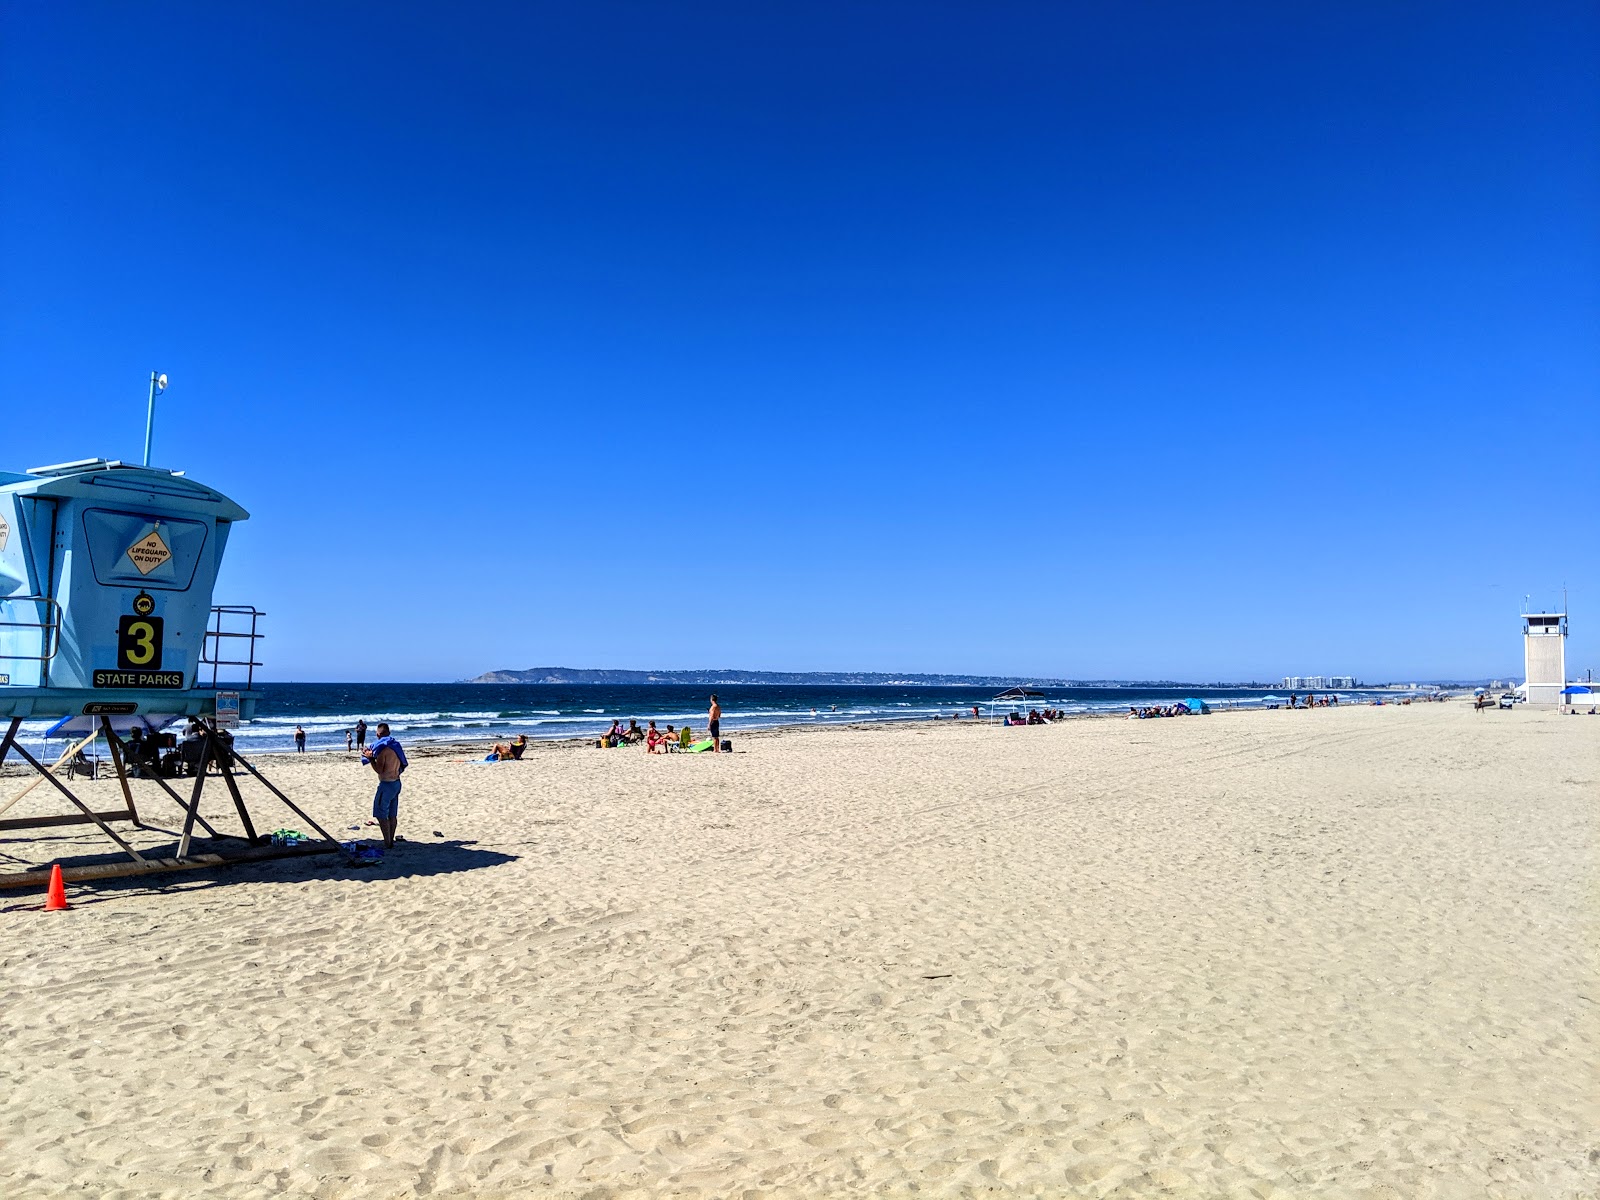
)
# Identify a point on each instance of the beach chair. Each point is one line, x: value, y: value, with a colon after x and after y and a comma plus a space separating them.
x: 82, y: 764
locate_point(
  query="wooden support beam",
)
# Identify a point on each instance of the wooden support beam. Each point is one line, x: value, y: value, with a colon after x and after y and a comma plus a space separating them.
x: 61, y: 819
x: 67, y: 792
x: 194, y: 800
x: 44, y: 772
x: 151, y: 866
x: 178, y: 800
x: 115, y: 746
x: 222, y: 752
x: 293, y: 807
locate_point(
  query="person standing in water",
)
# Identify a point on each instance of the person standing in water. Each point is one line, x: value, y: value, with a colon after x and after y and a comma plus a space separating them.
x: 388, y: 758
x: 714, y: 717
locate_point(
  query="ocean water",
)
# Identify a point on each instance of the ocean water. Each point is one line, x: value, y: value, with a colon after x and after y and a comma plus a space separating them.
x: 483, y: 713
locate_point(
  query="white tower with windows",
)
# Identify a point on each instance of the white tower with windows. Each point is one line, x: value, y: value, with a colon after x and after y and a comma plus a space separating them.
x: 1544, y: 656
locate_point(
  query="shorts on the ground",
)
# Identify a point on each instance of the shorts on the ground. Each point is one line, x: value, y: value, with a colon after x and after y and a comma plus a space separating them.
x: 386, y: 804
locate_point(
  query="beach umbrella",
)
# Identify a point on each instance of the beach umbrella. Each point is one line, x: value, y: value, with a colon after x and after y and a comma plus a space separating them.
x: 1575, y: 691
x: 1197, y: 706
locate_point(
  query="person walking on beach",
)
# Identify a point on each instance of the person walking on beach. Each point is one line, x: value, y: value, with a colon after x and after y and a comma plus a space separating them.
x: 361, y: 733
x: 349, y: 739
x: 714, y: 717
x: 300, y: 739
x: 388, y: 758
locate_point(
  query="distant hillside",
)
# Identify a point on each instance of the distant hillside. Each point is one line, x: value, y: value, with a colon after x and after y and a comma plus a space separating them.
x: 802, y: 678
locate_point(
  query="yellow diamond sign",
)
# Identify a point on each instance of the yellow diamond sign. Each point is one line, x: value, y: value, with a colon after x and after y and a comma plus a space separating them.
x: 149, y: 552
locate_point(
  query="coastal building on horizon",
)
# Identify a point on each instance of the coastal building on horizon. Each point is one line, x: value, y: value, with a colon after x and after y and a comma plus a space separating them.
x: 1318, y: 683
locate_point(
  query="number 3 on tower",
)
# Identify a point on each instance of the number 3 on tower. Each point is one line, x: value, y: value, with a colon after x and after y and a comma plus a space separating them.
x: 139, y: 644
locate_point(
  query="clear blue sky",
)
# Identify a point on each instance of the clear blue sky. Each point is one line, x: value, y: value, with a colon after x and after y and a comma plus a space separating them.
x: 1192, y: 341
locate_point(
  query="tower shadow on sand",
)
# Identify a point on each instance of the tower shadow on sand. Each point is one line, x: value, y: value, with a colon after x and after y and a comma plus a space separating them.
x: 409, y: 860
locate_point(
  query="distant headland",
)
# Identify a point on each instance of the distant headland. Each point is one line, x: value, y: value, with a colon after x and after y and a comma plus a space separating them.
x: 804, y: 678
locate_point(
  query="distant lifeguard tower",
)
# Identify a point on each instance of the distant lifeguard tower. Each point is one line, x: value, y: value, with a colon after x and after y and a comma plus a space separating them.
x: 106, y: 622
x: 1544, y: 656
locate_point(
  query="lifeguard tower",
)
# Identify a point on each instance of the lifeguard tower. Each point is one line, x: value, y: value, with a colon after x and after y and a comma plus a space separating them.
x: 1544, y: 656
x: 107, y: 623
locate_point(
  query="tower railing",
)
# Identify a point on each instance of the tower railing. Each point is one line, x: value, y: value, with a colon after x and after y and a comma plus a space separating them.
x: 227, y: 636
x: 48, y: 630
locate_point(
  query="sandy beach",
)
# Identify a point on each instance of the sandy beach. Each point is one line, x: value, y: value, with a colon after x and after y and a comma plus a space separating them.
x: 1344, y: 952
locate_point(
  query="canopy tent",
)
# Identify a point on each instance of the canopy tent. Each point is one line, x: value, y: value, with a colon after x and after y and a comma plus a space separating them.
x: 1198, y: 706
x: 1575, y: 694
x: 146, y: 723
x: 1009, y: 701
x: 1017, y: 693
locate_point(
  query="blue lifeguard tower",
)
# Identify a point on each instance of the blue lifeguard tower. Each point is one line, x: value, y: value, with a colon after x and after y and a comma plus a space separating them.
x: 107, y: 622
x: 106, y: 578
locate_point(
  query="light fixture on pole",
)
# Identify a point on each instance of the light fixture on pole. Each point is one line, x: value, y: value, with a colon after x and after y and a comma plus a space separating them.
x: 158, y: 384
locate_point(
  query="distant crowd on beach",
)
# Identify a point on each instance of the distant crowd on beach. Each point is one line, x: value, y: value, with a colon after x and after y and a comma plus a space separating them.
x: 653, y: 740
x: 1035, y: 716
x: 1312, y: 700
x: 673, y: 740
x: 1136, y: 713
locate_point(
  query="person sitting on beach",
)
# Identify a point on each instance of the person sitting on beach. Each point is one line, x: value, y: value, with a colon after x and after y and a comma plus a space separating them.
x: 613, y: 736
x: 500, y: 753
x: 634, y: 735
x: 517, y: 747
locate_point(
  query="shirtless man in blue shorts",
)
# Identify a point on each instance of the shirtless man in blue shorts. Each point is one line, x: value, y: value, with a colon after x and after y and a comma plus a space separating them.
x: 388, y: 758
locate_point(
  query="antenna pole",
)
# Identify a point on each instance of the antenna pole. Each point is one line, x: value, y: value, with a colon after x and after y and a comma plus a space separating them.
x: 150, y: 418
x: 158, y: 384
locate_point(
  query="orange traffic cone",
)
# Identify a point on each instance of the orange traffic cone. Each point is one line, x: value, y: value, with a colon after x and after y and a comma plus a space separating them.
x: 56, y: 898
